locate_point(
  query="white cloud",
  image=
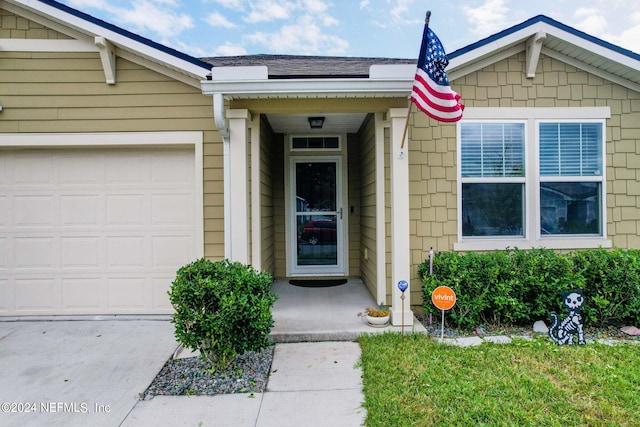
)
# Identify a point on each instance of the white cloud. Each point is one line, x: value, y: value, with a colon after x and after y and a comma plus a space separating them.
x: 488, y: 18
x: 216, y: 19
x: 592, y: 21
x: 146, y: 15
x: 231, y: 4
x: 304, y: 37
x: 269, y: 10
x: 364, y: 4
x: 230, y: 49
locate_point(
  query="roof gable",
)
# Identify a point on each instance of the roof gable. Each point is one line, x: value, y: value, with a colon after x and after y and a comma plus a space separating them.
x: 101, y: 35
x: 542, y: 34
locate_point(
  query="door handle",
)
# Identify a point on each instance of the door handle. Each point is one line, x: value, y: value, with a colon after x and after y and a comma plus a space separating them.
x: 340, y: 213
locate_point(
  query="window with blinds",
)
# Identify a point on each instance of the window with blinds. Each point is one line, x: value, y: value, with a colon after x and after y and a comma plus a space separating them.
x: 492, y: 165
x: 492, y: 149
x: 570, y: 149
x: 571, y: 178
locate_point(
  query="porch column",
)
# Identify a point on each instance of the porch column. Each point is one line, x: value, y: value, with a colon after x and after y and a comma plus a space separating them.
x: 238, y: 185
x: 400, y: 238
x: 256, y: 202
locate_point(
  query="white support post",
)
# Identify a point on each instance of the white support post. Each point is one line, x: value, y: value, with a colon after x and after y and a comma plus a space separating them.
x: 238, y: 184
x: 400, y: 238
x: 256, y: 202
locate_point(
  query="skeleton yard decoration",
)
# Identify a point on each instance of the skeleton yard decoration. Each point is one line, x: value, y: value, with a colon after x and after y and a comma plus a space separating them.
x: 571, y: 326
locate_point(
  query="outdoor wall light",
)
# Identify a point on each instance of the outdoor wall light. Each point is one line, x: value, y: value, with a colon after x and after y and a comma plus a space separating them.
x: 316, y: 122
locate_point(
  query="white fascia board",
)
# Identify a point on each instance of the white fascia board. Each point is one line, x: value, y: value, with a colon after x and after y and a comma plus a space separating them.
x: 114, y: 37
x: 310, y: 87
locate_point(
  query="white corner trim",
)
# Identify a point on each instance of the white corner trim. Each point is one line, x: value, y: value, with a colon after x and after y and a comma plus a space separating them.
x: 108, y: 58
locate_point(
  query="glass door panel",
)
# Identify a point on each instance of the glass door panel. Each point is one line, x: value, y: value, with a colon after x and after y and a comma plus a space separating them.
x: 317, y: 216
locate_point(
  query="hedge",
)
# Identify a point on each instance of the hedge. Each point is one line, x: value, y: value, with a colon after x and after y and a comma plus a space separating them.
x: 517, y: 287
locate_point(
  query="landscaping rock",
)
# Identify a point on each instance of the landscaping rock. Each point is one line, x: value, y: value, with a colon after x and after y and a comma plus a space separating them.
x: 498, y: 339
x: 631, y: 330
x: 540, y: 327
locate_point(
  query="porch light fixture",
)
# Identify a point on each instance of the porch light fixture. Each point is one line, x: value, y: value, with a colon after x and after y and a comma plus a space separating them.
x: 316, y: 122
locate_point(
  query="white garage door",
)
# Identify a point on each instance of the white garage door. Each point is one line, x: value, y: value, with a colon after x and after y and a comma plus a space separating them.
x: 94, y: 231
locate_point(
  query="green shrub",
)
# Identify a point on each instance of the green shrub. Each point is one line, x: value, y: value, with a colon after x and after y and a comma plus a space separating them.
x: 612, y: 285
x: 222, y: 309
x: 517, y: 287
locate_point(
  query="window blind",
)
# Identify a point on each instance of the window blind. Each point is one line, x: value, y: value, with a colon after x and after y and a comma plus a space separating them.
x: 492, y: 150
x: 570, y: 149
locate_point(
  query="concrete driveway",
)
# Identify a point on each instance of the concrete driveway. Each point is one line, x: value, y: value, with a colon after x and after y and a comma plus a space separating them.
x: 78, y: 373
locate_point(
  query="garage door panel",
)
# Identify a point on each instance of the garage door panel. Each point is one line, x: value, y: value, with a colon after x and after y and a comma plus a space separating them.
x: 127, y: 169
x: 172, y: 169
x: 127, y: 293
x: 79, y: 210
x: 168, y: 251
x: 163, y: 210
x: 94, y: 231
x: 37, y: 295
x: 4, y: 211
x: 161, y: 286
x: 78, y: 169
x: 33, y: 170
x: 82, y: 293
x: 34, y: 252
x: 125, y: 252
x: 4, y: 254
x: 34, y: 211
x: 80, y: 252
x: 5, y: 295
x: 125, y: 209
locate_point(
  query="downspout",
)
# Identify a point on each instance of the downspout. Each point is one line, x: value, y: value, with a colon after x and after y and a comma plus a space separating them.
x: 223, y: 128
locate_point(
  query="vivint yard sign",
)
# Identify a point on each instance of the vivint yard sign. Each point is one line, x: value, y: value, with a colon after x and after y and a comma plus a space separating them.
x: 443, y: 298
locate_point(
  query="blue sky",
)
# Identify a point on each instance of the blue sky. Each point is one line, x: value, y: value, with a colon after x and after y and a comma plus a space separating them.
x: 375, y: 28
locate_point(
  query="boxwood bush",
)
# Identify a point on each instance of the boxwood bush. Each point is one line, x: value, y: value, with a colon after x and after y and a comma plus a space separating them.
x: 518, y: 287
x: 222, y: 309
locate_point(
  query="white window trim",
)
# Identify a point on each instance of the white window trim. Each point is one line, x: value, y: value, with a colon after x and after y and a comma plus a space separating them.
x: 316, y: 135
x: 532, y: 238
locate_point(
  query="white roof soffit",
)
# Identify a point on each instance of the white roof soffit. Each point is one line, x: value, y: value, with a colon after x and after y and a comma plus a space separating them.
x: 126, y: 47
x: 385, y: 81
x: 558, y: 44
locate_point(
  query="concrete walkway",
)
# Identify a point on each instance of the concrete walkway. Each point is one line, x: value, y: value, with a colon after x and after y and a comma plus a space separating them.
x: 311, y: 384
x: 91, y: 372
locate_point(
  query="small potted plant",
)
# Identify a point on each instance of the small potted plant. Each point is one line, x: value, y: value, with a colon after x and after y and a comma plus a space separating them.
x: 378, y: 316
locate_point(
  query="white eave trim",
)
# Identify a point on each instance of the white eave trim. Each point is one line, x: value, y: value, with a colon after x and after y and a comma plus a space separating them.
x: 359, y: 88
x: 253, y: 82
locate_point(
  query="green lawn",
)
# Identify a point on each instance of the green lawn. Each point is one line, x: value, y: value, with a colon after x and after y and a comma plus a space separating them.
x: 418, y: 382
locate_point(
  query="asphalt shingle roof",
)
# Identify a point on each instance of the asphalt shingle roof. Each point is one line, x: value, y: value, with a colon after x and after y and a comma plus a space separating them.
x: 294, y: 66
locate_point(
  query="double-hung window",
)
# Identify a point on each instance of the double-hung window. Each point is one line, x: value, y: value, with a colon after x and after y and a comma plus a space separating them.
x: 493, y: 179
x: 571, y: 172
x: 531, y: 179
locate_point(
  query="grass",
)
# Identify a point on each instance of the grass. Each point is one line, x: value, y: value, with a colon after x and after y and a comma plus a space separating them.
x: 418, y: 382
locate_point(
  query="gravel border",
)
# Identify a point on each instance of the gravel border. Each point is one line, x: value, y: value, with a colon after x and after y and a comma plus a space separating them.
x: 248, y: 373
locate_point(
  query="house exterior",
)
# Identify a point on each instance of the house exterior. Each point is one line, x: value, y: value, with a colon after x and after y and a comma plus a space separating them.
x: 122, y: 160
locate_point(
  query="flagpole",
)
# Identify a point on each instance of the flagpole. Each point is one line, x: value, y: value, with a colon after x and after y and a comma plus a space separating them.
x: 427, y: 18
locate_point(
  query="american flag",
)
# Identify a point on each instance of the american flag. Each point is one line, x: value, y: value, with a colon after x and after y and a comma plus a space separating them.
x: 431, y: 91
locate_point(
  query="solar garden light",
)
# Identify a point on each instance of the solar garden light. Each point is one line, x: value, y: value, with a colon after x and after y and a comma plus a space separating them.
x: 402, y: 285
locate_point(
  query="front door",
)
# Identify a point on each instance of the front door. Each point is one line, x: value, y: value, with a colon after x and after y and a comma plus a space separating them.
x: 316, y: 220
